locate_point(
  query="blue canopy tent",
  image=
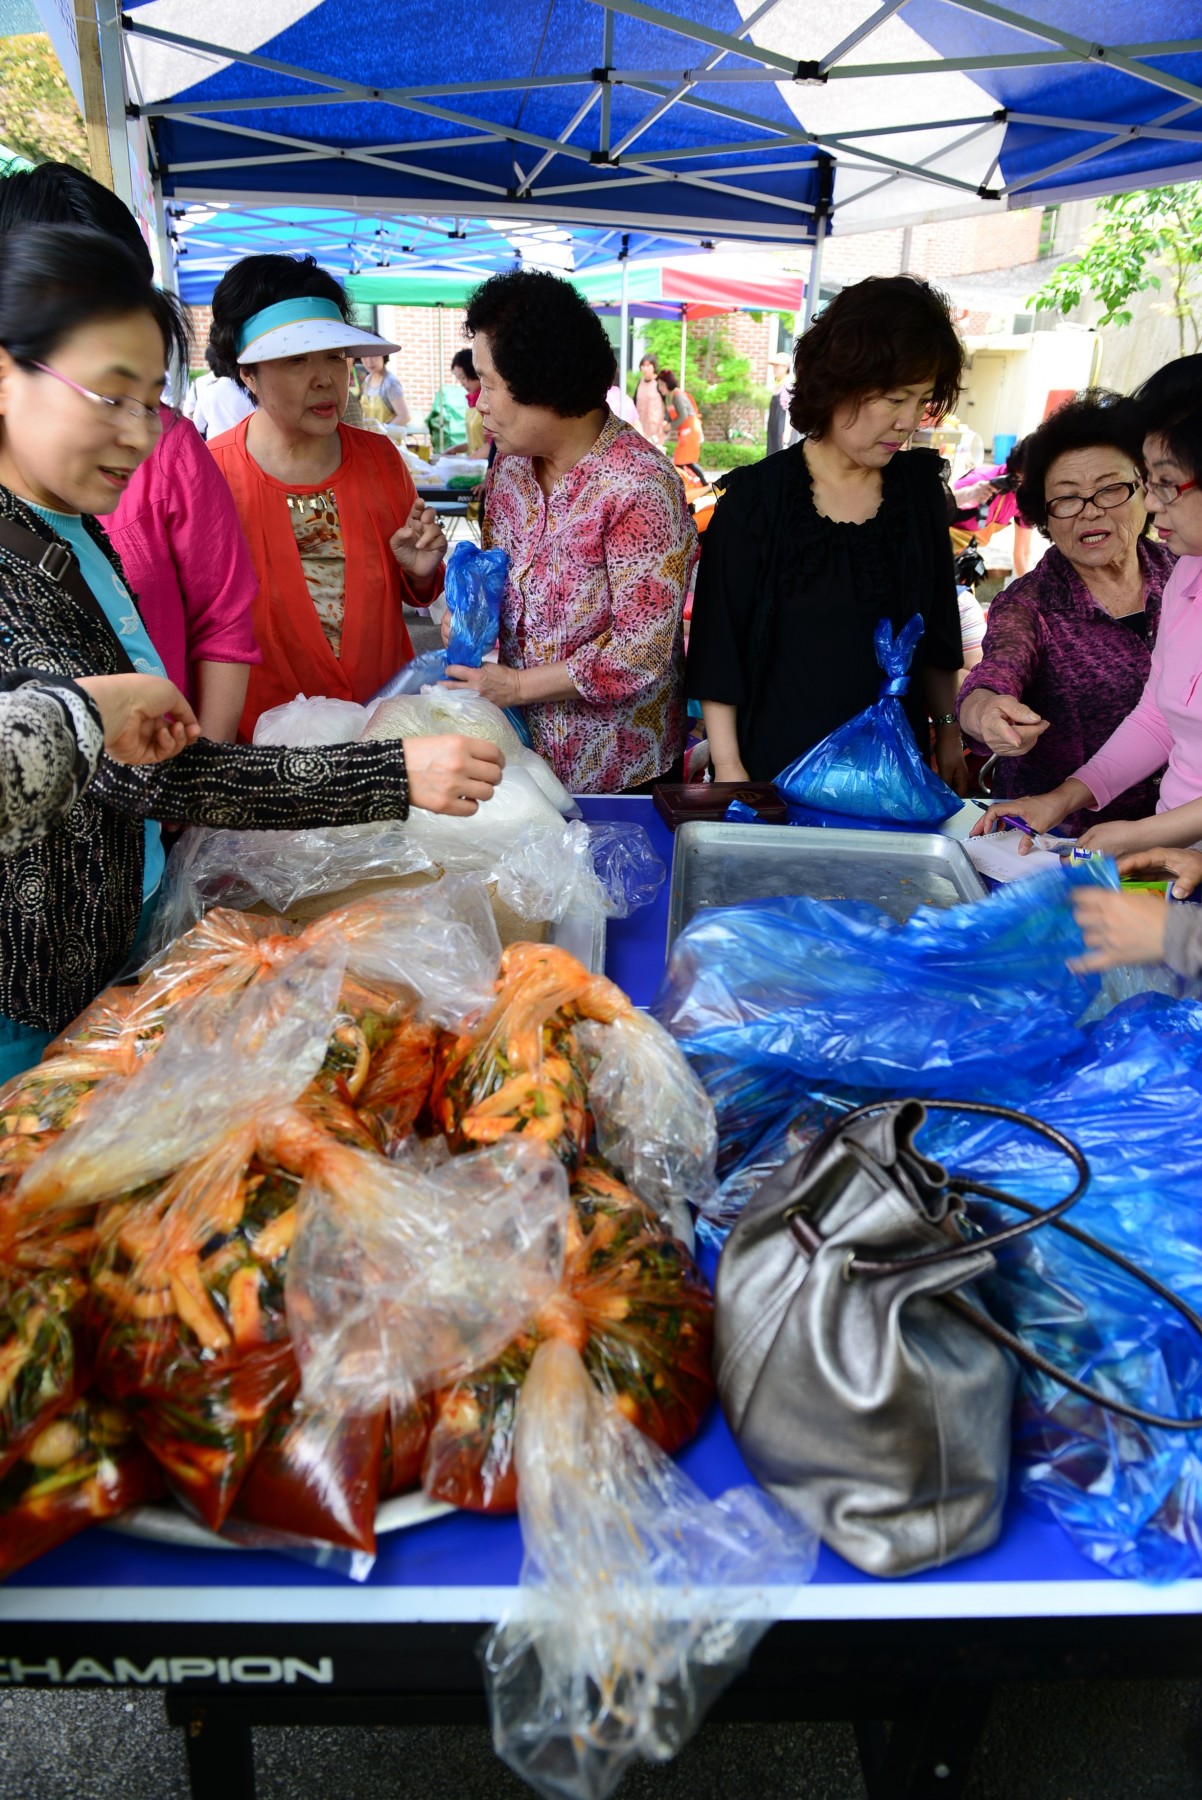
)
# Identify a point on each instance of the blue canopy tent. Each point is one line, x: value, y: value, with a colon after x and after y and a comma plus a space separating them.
x: 771, y: 121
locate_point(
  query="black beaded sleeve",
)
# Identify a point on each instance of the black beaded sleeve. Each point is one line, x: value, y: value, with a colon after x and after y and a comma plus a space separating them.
x: 244, y: 787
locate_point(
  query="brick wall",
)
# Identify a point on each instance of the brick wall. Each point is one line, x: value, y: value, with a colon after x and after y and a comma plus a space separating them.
x: 946, y: 248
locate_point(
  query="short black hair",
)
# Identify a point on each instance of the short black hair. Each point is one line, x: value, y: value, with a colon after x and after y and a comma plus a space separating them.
x: 548, y: 345
x: 1169, y: 406
x: 1095, y: 419
x: 259, y: 281
x: 55, y: 279
x: 462, y: 359
x: 57, y: 194
x: 653, y: 360
x: 878, y: 333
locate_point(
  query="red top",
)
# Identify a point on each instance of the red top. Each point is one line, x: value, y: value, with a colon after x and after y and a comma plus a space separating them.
x: 375, y: 495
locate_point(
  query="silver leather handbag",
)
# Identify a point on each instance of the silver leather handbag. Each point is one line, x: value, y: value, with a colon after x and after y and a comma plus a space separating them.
x: 868, y: 1388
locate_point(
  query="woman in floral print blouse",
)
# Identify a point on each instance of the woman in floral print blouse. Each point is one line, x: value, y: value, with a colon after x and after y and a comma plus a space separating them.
x: 600, y: 543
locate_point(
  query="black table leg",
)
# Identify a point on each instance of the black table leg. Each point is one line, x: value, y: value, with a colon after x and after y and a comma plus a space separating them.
x: 221, y: 1756
x: 929, y: 1751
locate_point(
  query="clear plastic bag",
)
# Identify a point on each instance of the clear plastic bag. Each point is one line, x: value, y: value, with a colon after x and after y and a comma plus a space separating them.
x: 635, y: 1306
x: 654, y: 1121
x: 871, y: 768
x: 318, y: 720
x: 948, y: 999
x: 400, y: 1281
x: 463, y: 712
x: 520, y: 1068
x: 605, y: 868
x: 641, y: 1598
x: 85, y: 1465
x: 225, y: 1058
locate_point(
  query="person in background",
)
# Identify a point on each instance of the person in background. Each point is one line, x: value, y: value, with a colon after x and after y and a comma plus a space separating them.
x: 381, y: 396
x: 809, y: 549
x: 84, y: 342
x: 1069, y: 647
x: 214, y: 403
x: 53, y: 729
x: 620, y: 404
x: 681, y: 415
x: 476, y: 443
x: 1165, y: 725
x: 780, y: 432
x: 339, y: 539
x: 977, y: 489
x: 649, y: 402
x: 600, y: 545
x: 172, y: 523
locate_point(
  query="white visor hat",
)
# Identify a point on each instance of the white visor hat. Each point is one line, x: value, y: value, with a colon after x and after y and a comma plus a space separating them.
x: 296, y: 327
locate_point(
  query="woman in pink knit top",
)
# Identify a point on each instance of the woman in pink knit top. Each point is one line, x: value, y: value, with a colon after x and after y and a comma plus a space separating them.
x: 1166, y: 724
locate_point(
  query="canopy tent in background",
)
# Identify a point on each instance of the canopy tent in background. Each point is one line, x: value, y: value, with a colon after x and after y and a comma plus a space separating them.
x: 701, y: 117
x: 694, y: 287
x: 386, y: 260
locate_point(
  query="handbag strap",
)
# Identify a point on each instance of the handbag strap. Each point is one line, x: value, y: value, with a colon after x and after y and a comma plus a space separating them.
x: 1035, y: 1217
x: 1034, y: 1358
x: 809, y: 1239
x: 57, y: 562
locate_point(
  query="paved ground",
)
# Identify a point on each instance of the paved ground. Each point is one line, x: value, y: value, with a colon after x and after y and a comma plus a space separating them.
x: 1131, y: 1741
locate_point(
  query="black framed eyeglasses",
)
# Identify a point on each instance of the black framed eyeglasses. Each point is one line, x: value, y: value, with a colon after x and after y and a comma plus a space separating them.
x: 1115, y: 493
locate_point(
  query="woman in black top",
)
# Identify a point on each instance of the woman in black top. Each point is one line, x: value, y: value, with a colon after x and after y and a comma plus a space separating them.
x: 808, y: 549
x: 84, y: 339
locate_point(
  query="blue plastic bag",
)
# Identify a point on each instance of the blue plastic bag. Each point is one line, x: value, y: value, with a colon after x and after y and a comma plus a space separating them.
x: 473, y: 587
x: 871, y: 769
x: 1129, y: 1497
x: 839, y: 992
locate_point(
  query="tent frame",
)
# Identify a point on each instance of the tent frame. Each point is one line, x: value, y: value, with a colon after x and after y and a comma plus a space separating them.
x: 545, y: 189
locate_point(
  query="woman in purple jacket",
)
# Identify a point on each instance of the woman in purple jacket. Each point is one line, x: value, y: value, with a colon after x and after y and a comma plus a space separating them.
x: 1069, y: 645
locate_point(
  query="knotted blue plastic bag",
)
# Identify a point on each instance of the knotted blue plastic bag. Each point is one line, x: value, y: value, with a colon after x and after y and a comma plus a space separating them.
x: 473, y: 587
x: 840, y: 992
x: 871, y: 768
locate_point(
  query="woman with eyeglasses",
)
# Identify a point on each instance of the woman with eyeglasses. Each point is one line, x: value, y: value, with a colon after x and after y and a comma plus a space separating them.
x: 1068, y: 647
x: 1165, y: 727
x: 84, y: 342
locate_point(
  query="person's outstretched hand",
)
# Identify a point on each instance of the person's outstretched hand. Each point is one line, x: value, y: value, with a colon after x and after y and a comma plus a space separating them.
x: 145, y: 717
x: 420, y: 544
x: 1184, y: 866
x: 452, y: 774
x: 1003, y: 724
x: 1119, y: 929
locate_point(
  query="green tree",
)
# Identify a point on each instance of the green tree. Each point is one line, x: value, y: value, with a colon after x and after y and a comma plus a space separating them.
x: 38, y: 114
x: 1139, y: 241
x: 712, y: 371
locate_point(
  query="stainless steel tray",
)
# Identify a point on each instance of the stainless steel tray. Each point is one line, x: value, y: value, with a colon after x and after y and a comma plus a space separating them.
x: 715, y: 864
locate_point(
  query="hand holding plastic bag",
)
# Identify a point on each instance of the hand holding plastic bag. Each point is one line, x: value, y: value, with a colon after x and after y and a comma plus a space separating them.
x: 473, y: 587
x: 871, y: 768
x: 641, y: 1598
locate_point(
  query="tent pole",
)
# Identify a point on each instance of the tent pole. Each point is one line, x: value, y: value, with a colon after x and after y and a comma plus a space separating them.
x: 438, y: 386
x: 684, y: 338
x: 624, y: 317
x: 814, y: 282
x: 109, y: 38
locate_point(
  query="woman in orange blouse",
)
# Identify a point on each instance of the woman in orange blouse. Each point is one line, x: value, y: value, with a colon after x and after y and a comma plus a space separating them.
x: 339, y: 539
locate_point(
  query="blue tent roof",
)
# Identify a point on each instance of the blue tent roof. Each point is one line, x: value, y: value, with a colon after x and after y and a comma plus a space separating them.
x: 688, y: 118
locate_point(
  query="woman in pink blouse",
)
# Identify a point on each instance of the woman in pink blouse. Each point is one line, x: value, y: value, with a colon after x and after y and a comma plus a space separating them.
x: 600, y: 543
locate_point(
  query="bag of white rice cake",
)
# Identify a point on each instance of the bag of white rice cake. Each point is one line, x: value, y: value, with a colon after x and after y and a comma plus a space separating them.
x: 463, y: 712
x: 301, y: 722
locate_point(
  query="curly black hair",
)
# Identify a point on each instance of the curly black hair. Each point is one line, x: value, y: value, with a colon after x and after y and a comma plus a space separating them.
x: 1095, y: 419
x: 885, y: 330
x: 1169, y: 406
x: 548, y: 345
x: 259, y: 281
